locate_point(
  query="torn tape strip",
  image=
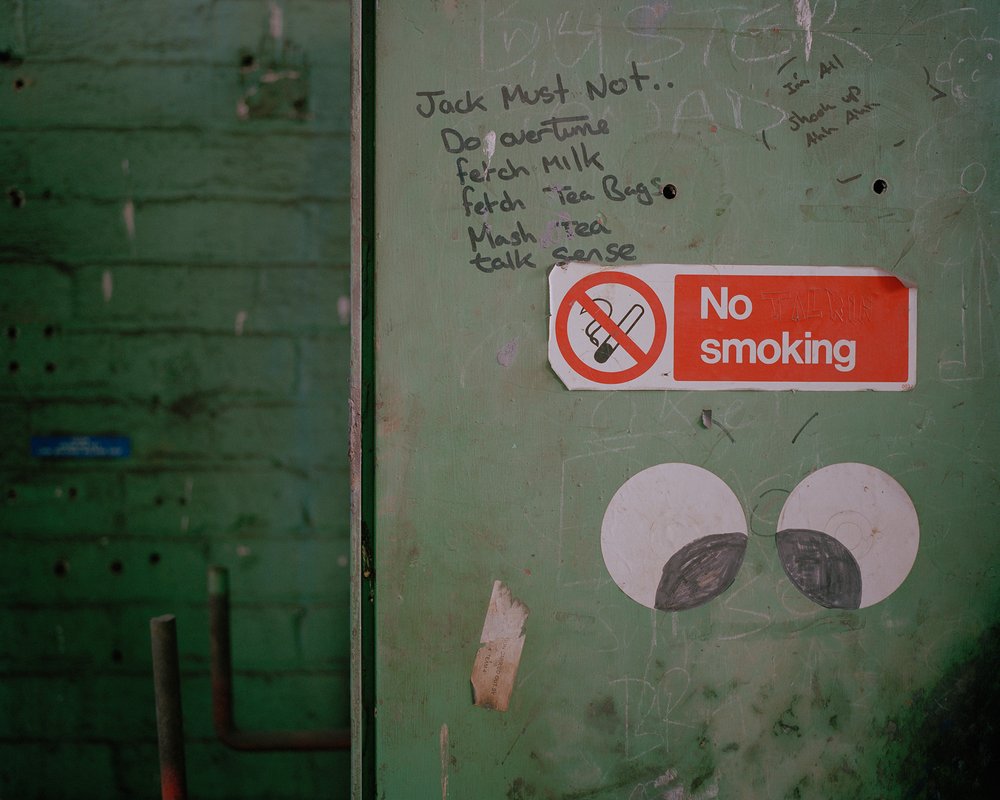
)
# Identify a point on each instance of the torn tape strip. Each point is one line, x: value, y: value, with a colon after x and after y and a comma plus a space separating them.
x: 499, y: 655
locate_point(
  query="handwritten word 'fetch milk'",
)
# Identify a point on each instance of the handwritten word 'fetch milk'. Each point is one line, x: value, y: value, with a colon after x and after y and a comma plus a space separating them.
x: 841, y: 354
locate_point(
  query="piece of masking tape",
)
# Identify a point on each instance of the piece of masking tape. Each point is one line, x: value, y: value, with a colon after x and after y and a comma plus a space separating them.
x: 500, y: 647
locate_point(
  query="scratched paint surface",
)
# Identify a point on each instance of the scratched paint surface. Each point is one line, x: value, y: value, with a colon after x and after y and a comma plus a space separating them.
x: 177, y: 274
x: 764, y: 133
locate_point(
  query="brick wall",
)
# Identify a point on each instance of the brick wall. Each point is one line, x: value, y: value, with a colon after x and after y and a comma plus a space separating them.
x: 174, y: 259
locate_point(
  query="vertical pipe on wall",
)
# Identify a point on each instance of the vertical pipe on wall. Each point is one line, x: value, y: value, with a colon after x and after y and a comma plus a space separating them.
x: 220, y: 652
x: 223, y: 712
x: 169, y: 716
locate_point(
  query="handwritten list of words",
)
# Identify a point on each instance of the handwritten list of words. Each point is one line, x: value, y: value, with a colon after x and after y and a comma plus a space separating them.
x: 533, y: 193
x: 506, y: 176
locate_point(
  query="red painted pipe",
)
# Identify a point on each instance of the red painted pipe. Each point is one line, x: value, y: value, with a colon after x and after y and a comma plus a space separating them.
x: 169, y: 716
x: 223, y: 715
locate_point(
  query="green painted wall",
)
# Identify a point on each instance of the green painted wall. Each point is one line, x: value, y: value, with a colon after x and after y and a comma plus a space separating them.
x: 174, y: 251
x: 487, y: 468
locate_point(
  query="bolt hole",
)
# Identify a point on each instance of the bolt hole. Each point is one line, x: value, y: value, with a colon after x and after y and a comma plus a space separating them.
x: 669, y: 191
x: 11, y: 332
x: 117, y: 567
x: 182, y: 501
x: 18, y: 84
x: 12, y: 494
x: 247, y: 61
x: 13, y: 367
x: 49, y: 331
x: 158, y: 501
x: 61, y: 567
x: 880, y: 186
x: 154, y: 558
x: 17, y: 197
x: 116, y: 656
x: 72, y: 493
x: 50, y: 367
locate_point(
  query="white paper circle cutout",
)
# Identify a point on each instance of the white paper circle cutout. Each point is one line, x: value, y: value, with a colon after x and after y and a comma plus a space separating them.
x: 673, y: 536
x: 848, y: 535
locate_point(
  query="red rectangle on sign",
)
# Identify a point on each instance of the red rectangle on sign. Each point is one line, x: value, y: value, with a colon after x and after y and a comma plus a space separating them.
x: 799, y: 329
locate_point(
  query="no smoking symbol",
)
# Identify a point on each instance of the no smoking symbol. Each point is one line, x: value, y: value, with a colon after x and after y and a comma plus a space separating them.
x: 607, y: 335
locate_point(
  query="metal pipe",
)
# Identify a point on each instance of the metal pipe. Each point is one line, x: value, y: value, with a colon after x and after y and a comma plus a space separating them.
x: 223, y: 712
x: 169, y: 715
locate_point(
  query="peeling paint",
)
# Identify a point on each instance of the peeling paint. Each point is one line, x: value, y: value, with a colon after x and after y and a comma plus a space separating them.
x: 276, y: 22
x: 490, y: 146
x: 667, y: 777
x: 273, y: 76
x: 128, y: 216
x: 507, y: 353
x: 444, y: 761
x: 803, y: 16
x: 107, y: 285
x: 241, y: 319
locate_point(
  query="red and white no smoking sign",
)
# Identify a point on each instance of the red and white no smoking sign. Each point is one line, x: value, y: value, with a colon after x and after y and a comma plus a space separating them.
x: 671, y: 326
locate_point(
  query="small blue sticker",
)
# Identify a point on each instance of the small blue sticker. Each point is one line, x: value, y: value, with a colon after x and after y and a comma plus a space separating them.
x: 81, y: 446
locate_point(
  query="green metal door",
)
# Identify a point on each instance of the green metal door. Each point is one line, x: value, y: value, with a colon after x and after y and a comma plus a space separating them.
x: 508, y: 657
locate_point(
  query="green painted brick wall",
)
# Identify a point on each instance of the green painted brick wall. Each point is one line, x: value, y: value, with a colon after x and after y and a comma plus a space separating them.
x: 174, y: 267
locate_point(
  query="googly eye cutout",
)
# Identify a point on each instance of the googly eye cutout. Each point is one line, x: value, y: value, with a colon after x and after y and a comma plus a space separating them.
x: 674, y: 537
x: 848, y: 536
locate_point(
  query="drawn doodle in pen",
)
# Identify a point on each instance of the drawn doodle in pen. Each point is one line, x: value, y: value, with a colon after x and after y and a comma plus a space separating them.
x: 938, y: 93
